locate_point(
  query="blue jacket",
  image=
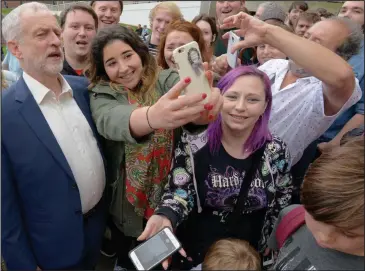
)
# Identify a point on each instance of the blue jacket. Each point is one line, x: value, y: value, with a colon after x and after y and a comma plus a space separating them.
x: 42, y: 223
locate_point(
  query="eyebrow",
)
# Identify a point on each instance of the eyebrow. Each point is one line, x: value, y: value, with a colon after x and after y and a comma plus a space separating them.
x: 123, y: 53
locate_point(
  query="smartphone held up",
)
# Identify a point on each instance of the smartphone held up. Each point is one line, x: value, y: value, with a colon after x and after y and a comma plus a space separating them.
x: 189, y: 63
x: 155, y: 250
x: 232, y: 57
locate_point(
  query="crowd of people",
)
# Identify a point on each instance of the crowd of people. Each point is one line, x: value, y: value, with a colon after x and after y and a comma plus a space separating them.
x: 100, y: 150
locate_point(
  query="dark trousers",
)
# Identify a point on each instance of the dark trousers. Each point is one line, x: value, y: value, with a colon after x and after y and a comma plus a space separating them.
x: 123, y: 245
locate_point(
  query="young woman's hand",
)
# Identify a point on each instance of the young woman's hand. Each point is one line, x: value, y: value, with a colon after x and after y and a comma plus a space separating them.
x: 155, y: 224
x: 172, y: 111
x: 215, y: 103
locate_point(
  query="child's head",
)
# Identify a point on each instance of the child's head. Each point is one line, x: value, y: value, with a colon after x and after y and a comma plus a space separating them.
x: 118, y: 55
x: 231, y: 254
x: 333, y: 196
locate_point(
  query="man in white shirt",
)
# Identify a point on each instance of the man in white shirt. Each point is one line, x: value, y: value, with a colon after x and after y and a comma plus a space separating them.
x: 311, y: 89
x: 53, y: 174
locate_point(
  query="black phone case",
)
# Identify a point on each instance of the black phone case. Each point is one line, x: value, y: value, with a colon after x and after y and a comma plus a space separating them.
x: 179, y: 247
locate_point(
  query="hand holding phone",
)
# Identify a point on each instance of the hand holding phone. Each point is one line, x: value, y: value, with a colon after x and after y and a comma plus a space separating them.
x: 155, y: 250
x: 232, y: 57
x: 189, y: 63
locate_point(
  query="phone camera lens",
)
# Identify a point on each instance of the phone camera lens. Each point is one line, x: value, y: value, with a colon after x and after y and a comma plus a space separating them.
x: 179, y: 50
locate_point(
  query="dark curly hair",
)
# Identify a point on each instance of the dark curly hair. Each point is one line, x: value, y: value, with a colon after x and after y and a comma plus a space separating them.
x: 96, y: 71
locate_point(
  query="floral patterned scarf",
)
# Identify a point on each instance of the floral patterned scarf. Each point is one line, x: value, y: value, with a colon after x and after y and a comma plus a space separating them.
x: 147, y: 165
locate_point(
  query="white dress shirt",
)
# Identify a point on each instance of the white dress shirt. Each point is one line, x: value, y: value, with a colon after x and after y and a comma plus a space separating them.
x: 297, y: 114
x: 75, y: 138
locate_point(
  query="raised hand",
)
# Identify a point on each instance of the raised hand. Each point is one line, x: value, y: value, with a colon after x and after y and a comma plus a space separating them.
x: 172, y: 111
x: 249, y: 27
x: 215, y: 103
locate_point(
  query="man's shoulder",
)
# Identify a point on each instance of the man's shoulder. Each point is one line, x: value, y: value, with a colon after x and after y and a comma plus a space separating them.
x: 78, y: 83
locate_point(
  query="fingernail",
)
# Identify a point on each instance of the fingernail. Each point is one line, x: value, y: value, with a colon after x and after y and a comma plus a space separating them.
x: 210, y: 117
x: 187, y: 80
x: 204, y: 95
x: 208, y: 107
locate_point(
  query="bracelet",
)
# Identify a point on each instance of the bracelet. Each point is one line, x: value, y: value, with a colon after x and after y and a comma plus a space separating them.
x: 148, y: 121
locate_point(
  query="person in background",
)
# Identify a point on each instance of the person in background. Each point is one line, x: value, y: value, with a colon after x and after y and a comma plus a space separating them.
x: 145, y: 32
x: 354, y: 116
x: 208, y: 26
x: 7, y: 79
x: 108, y: 12
x: 231, y: 254
x: 137, y: 111
x: 79, y: 24
x: 270, y: 11
x: 11, y: 63
x: 160, y: 17
x: 52, y: 170
x: 139, y: 30
x: 321, y: 12
x: 327, y: 15
x: 178, y: 34
x: 266, y: 52
x: 332, y: 236
x: 295, y: 9
x: 304, y: 22
x: 273, y: 13
x: 225, y: 9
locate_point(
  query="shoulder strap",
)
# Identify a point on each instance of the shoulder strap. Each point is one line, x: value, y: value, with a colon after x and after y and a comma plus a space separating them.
x: 250, y: 174
x: 289, y: 224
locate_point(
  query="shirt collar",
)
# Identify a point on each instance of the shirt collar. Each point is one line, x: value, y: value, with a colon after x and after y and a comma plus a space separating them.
x: 39, y: 91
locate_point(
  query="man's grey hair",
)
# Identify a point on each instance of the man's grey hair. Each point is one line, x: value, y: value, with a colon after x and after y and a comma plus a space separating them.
x: 352, y: 44
x: 11, y: 24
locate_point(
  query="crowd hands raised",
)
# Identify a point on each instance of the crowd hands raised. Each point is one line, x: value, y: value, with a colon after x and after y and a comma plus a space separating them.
x: 98, y: 133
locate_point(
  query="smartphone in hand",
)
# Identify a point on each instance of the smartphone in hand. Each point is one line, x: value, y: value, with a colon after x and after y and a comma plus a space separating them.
x: 189, y: 63
x: 155, y: 250
x: 232, y: 57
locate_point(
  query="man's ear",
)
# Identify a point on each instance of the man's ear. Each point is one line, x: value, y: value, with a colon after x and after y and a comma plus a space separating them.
x: 13, y: 47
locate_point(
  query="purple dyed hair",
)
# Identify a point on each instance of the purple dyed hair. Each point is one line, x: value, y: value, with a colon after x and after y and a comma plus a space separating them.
x: 260, y: 133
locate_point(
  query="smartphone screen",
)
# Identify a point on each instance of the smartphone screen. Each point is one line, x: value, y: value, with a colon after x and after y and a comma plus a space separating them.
x: 154, y: 250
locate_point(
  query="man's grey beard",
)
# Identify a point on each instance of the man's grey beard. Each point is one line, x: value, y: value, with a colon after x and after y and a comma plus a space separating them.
x: 297, y: 70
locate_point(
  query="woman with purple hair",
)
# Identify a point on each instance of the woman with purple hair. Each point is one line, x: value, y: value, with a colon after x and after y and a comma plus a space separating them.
x: 231, y: 181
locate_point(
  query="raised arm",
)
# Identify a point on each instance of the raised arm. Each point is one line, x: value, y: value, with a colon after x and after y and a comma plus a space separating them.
x: 324, y: 64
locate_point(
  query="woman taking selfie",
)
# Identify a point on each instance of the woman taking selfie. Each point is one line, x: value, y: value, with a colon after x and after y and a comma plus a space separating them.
x: 221, y: 190
x: 137, y: 111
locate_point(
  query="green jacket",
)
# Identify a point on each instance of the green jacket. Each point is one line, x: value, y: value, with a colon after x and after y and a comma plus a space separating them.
x: 111, y: 112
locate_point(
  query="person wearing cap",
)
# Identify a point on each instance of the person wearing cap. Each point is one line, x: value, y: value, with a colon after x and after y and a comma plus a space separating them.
x: 270, y: 11
x: 108, y: 12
